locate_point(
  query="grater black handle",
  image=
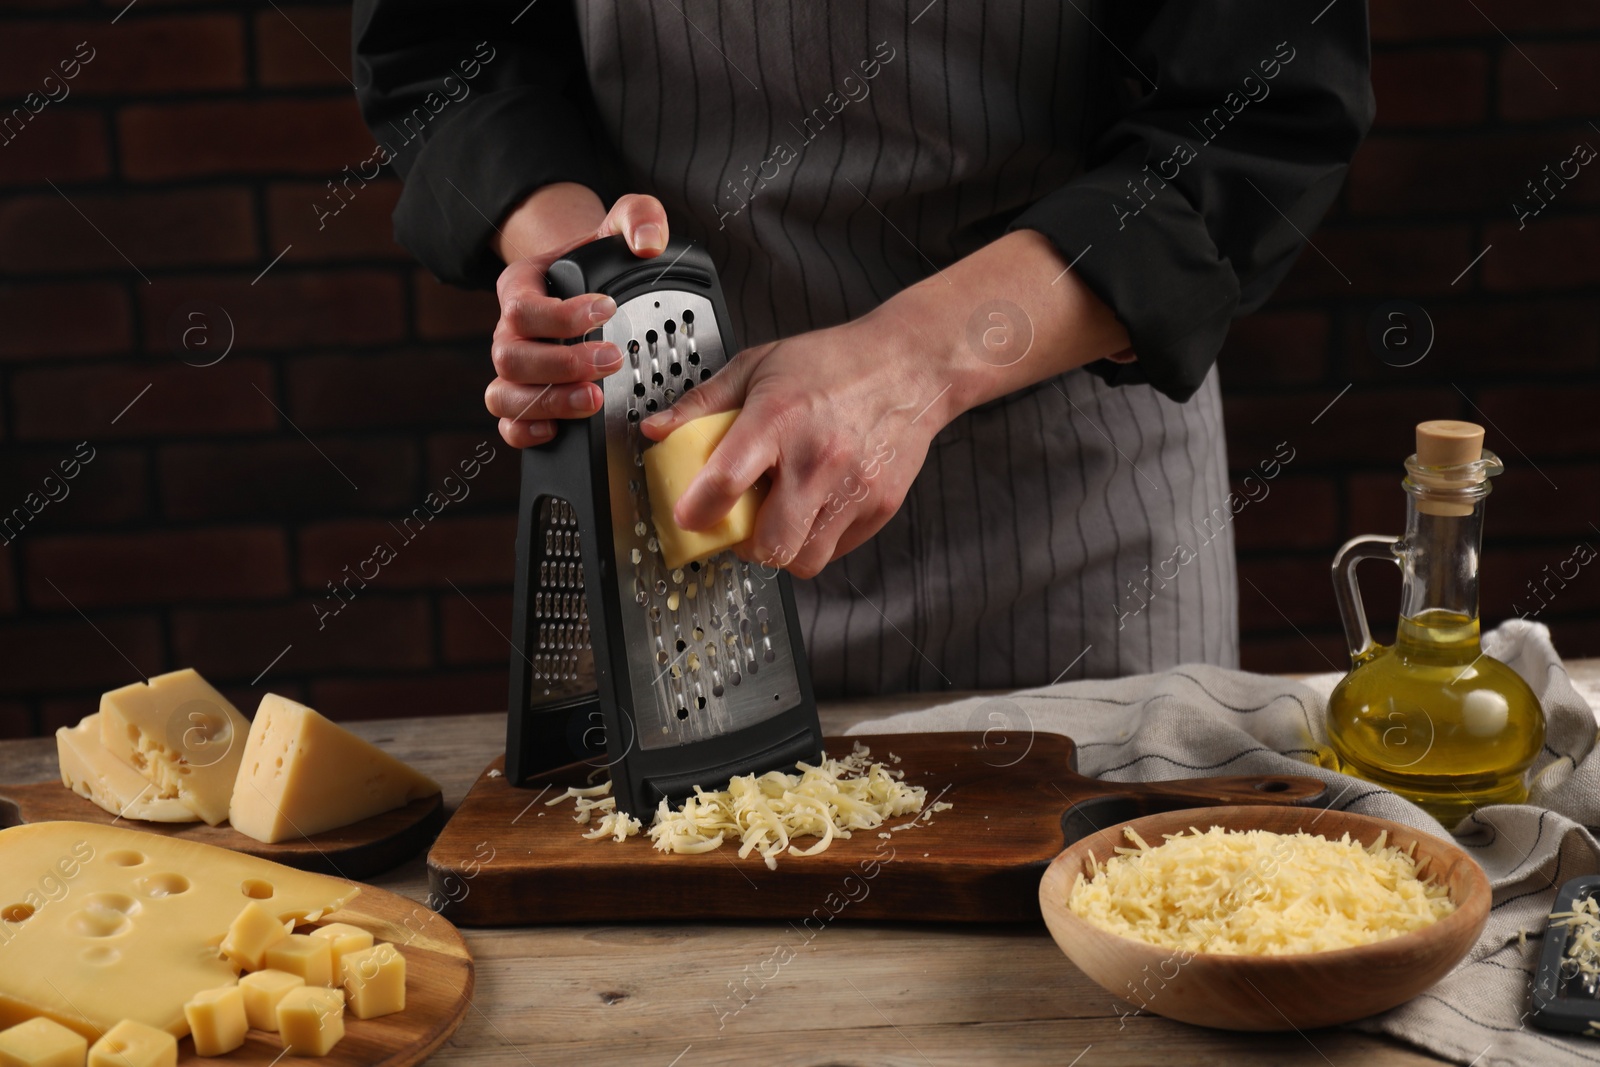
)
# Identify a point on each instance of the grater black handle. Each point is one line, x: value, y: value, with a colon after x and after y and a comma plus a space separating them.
x: 608, y: 266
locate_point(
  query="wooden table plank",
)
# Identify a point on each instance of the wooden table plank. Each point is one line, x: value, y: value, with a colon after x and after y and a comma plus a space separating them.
x: 687, y: 995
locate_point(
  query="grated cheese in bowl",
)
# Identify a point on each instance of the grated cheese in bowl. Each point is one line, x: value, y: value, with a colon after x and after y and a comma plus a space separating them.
x: 1255, y: 892
x: 767, y: 813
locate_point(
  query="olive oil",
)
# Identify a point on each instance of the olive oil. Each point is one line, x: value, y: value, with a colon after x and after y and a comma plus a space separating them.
x: 1432, y: 717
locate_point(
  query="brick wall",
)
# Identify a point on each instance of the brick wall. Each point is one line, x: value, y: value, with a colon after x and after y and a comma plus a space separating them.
x: 165, y: 205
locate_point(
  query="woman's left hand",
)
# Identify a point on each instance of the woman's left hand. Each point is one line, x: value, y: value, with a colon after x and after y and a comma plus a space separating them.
x: 839, y: 418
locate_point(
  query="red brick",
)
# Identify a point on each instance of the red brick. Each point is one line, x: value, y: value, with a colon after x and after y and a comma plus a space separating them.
x: 16, y: 720
x: 43, y: 655
x: 286, y: 309
x: 79, y: 402
x: 66, y: 711
x: 1276, y: 348
x: 407, y: 389
x: 1548, y: 254
x: 109, y: 570
x: 1538, y: 420
x: 1294, y: 654
x: 476, y: 627
x: 385, y: 633
x: 1277, y: 594
x: 8, y: 583
x: 466, y: 551
x: 1483, y: 339
x: 496, y: 483
x: 362, y: 228
x: 1366, y: 424
x: 1479, y: 174
x: 196, y: 226
x: 298, y: 46
x: 241, y: 137
x: 1442, y: 87
x: 1504, y: 580
x: 110, y: 488
x: 1411, y: 20
x: 1524, y: 505
x: 445, y: 312
x: 1575, y: 638
x: 286, y: 478
x: 141, y: 54
x: 1377, y: 503
x: 1526, y: 91
x: 59, y: 144
x: 64, y: 319
x: 348, y: 699
x: 1297, y: 512
x: 1380, y: 262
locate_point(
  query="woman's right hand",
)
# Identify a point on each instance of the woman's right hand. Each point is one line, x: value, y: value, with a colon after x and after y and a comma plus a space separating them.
x: 538, y: 379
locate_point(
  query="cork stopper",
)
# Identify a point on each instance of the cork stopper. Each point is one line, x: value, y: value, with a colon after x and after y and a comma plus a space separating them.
x: 1447, y: 443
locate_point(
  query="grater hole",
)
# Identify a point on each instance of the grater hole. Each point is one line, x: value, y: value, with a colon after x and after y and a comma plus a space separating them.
x: 675, y: 368
x: 681, y: 644
x: 651, y: 405
x: 633, y: 414
x: 694, y: 358
x: 671, y: 326
x: 688, y: 318
x: 688, y: 384
x: 705, y: 372
x: 633, y: 348
x: 638, y: 389
x: 650, y: 335
x: 695, y: 565
x: 683, y: 713
x: 717, y: 690
x: 657, y: 378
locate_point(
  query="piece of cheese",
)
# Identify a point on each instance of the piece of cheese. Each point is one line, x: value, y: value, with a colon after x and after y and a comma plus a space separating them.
x: 303, y: 774
x: 95, y: 774
x: 311, y: 1020
x: 103, y: 923
x: 42, y: 1043
x: 309, y: 957
x: 182, y: 735
x: 345, y: 939
x: 375, y: 981
x: 262, y: 992
x: 217, y: 1021
x: 252, y: 932
x: 131, y: 1044
x: 669, y: 466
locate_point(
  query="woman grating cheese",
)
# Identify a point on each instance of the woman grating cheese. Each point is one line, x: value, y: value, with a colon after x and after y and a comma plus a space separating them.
x: 767, y: 813
x: 1255, y: 892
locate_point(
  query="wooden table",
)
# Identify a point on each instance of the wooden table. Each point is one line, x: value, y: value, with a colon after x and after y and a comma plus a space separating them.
x: 910, y: 996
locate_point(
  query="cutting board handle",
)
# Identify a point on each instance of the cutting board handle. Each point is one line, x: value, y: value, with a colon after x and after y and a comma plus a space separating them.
x: 1109, y: 803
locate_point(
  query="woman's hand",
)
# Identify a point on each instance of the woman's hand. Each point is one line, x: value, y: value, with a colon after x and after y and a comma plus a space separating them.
x: 537, y: 378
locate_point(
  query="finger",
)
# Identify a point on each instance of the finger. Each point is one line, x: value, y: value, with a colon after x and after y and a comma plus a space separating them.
x: 723, y: 391
x: 746, y: 453
x: 860, y: 532
x: 817, y: 549
x: 542, y: 362
x: 513, y: 400
x: 526, y: 433
x: 794, y: 519
x: 642, y: 222
x: 527, y: 312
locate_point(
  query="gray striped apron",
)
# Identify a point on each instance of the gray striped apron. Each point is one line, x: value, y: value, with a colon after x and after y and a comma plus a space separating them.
x: 825, y: 152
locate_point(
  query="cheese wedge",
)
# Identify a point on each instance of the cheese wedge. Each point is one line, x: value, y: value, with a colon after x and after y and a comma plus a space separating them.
x: 95, y: 774
x: 669, y: 467
x: 99, y: 923
x: 303, y: 774
x: 182, y: 735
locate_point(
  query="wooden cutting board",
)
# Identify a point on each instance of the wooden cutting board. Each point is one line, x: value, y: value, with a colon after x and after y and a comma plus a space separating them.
x: 439, y: 983
x: 1018, y: 801
x: 357, y: 851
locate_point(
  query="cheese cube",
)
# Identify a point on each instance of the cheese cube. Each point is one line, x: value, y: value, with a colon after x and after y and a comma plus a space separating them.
x: 345, y: 939
x: 309, y: 957
x: 95, y: 774
x: 311, y: 1020
x: 42, y: 1042
x: 303, y: 774
x: 375, y: 981
x: 262, y: 992
x: 131, y: 1044
x: 251, y: 934
x: 181, y: 735
x: 216, y: 1020
x: 669, y: 467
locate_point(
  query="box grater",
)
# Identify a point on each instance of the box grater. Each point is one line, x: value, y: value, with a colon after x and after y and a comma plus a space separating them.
x: 671, y: 678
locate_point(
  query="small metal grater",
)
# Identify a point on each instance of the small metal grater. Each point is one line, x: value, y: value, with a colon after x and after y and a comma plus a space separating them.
x: 1561, y: 998
x: 672, y: 678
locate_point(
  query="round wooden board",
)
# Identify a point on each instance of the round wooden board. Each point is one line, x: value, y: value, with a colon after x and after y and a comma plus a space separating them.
x: 439, y: 983
x: 357, y: 851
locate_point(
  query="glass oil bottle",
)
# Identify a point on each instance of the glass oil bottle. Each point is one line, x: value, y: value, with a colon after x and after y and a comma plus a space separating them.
x: 1432, y: 717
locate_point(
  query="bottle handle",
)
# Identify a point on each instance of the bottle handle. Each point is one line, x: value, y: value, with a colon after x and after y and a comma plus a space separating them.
x: 1347, y: 589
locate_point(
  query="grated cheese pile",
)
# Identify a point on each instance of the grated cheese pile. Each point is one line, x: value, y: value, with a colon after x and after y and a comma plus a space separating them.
x: 1258, y: 893
x: 1583, y: 950
x: 767, y: 813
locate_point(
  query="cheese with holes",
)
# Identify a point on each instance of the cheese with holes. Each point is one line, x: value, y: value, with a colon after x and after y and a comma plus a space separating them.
x: 217, y: 1022
x: 95, y: 774
x: 101, y: 923
x: 182, y: 735
x: 669, y: 466
x: 131, y: 1044
x: 42, y: 1043
x: 303, y: 774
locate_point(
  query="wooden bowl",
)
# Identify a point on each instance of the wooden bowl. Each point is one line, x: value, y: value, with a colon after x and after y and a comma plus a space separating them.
x: 1297, y: 991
